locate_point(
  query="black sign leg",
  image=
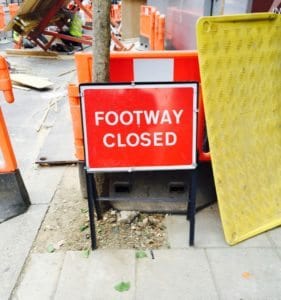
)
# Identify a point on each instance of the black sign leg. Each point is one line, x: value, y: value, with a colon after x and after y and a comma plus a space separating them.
x: 96, y: 202
x: 192, y: 206
x: 91, y: 201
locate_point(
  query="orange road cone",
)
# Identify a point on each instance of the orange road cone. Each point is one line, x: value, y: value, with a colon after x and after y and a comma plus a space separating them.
x: 14, y: 198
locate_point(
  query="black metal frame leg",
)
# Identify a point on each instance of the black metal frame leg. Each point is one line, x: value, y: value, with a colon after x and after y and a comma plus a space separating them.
x: 96, y: 202
x: 91, y: 201
x: 192, y: 206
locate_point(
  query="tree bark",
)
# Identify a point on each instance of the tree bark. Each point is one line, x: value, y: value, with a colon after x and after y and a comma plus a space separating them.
x: 101, y: 40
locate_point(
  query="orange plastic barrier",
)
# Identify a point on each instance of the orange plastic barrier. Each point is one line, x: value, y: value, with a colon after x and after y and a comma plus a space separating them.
x: 159, y: 32
x: 6, y: 148
x: 9, y: 164
x: 13, y: 8
x: 147, y: 23
x: 74, y: 102
x: 2, y: 17
x: 123, y: 69
x: 5, y: 81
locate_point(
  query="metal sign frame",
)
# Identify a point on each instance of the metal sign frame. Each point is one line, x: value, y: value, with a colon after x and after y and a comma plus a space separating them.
x: 93, y: 198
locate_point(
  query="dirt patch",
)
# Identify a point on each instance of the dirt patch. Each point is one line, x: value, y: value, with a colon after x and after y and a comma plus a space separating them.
x: 66, y: 225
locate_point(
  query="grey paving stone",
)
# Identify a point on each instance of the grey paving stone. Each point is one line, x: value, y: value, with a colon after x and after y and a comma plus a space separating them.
x: 275, y: 236
x: 36, y: 186
x: 40, y: 277
x: 177, y: 229
x: 250, y: 273
x: 175, y: 274
x: 16, y: 236
x: 279, y: 253
x: 95, y: 277
x: 208, y: 231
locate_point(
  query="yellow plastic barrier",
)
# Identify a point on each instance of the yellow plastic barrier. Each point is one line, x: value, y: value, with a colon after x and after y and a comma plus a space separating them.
x: 240, y: 67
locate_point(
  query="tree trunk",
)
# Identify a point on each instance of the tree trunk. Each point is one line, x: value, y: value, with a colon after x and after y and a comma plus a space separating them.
x: 101, y: 40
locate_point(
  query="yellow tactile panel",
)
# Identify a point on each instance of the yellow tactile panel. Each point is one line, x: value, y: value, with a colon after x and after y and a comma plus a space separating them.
x: 240, y: 66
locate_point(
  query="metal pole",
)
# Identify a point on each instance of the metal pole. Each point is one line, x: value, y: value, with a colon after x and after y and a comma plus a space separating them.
x: 91, y: 201
x: 192, y: 206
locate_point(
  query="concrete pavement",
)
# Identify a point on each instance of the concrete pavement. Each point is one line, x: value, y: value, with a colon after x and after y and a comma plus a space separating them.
x: 210, y: 270
x: 22, y: 119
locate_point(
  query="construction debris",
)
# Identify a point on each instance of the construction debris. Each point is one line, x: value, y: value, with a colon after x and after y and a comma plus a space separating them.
x: 32, y: 81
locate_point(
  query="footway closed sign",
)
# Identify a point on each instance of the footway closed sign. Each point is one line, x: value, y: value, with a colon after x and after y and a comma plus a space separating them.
x: 130, y: 127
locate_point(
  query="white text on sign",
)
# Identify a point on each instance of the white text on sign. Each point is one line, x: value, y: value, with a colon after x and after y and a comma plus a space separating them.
x: 139, y: 118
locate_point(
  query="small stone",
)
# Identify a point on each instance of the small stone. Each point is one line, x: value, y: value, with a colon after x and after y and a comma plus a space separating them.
x: 153, y: 221
x: 112, y: 220
x: 113, y: 212
x: 140, y: 224
x: 145, y: 221
x: 127, y: 217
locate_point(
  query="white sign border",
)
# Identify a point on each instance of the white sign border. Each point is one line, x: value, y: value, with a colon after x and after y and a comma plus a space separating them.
x: 132, y: 85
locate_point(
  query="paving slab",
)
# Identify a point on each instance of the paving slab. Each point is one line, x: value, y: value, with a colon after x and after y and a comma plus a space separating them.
x: 175, y: 274
x: 40, y: 277
x: 58, y: 147
x: 36, y: 183
x: 95, y: 277
x: 278, y: 252
x: 177, y: 230
x: 252, y: 273
x: 275, y: 236
x: 16, y: 236
x: 208, y: 231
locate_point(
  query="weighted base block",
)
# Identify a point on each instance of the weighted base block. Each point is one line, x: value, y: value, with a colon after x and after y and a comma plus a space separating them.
x: 14, y: 199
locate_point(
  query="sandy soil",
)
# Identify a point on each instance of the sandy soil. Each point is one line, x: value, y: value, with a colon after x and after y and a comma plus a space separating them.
x: 66, y: 225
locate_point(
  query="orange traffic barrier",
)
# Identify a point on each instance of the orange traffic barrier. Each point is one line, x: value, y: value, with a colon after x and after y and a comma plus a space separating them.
x: 147, y: 23
x: 13, y: 9
x: 74, y: 103
x: 159, y: 32
x: 16, y: 199
x: 185, y: 68
x: 5, y: 81
x: 9, y: 164
x: 2, y: 18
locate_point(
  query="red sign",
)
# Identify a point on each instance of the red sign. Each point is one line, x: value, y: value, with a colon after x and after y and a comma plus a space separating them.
x: 131, y: 127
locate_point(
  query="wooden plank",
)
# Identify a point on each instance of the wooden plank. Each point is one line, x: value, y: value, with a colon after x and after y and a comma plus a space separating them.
x: 31, y: 81
x: 20, y: 87
x: 37, y: 53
